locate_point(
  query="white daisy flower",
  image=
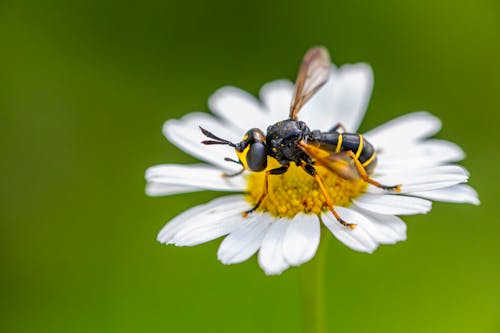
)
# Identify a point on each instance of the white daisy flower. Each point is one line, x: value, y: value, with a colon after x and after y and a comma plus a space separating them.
x: 285, y: 229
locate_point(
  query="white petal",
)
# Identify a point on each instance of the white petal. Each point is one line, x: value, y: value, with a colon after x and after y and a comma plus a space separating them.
x: 352, y: 94
x: 167, y: 234
x: 271, y: 257
x: 185, y: 134
x: 242, y: 243
x: 238, y: 108
x: 277, y: 96
x: 343, y: 99
x: 196, y: 175
x: 435, y: 148
x: 437, y: 170
x: 301, y: 239
x: 426, y: 179
x: 384, y: 229
x: 408, y: 128
x: 390, y: 204
x: 458, y: 193
x: 418, y: 155
x: 211, y: 225
x: 157, y: 190
x: 357, y: 239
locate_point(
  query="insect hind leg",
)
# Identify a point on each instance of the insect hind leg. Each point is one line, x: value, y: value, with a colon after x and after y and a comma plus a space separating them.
x: 312, y: 172
x: 364, y: 175
x: 337, y: 127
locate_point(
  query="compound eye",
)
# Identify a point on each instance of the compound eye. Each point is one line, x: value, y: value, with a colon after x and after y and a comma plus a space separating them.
x: 257, y: 157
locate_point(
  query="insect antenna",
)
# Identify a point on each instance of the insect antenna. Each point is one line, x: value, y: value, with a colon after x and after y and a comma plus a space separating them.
x: 216, y: 140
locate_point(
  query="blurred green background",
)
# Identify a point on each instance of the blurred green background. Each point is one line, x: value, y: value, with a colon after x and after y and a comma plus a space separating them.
x: 85, y: 87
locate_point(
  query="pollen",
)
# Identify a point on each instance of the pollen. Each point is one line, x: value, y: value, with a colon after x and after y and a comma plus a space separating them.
x: 296, y: 192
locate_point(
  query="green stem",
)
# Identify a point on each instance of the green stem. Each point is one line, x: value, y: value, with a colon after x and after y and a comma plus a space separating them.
x: 313, y: 290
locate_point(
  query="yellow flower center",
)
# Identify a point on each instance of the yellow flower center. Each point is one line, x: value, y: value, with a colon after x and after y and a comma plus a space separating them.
x: 296, y: 192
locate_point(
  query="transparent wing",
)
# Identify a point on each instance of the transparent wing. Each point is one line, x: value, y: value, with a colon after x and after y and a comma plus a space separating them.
x: 339, y: 163
x: 313, y: 74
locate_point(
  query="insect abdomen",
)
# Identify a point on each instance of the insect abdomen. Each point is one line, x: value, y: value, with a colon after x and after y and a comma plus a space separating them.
x: 354, y: 142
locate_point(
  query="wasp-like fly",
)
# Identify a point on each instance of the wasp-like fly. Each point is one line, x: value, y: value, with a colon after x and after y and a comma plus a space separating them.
x: 347, y: 154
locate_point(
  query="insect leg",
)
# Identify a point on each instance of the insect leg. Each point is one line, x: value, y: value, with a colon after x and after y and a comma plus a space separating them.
x: 364, y: 175
x: 228, y: 159
x: 336, y: 127
x: 277, y: 171
x: 229, y: 175
x: 312, y: 171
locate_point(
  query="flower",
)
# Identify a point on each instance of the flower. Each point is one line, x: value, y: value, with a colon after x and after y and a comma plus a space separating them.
x: 286, y: 232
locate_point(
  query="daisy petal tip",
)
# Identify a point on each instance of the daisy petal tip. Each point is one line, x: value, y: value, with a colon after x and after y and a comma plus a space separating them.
x: 371, y: 250
x: 366, y: 70
x: 368, y: 249
x: 273, y: 271
x: 163, y: 240
x: 426, y: 116
x: 362, y: 68
x: 224, y: 262
x: 473, y: 198
x: 162, y: 237
x: 222, y: 92
x: 273, y: 86
x: 431, y: 119
x: 154, y: 189
x: 168, y: 127
x: 226, y: 96
x: 223, y: 259
x: 166, y: 235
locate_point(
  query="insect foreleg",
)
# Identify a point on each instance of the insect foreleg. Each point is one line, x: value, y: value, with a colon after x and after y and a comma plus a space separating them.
x: 276, y: 171
x: 364, y: 175
x: 229, y: 175
x: 312, y: 171
x: 228, y: 159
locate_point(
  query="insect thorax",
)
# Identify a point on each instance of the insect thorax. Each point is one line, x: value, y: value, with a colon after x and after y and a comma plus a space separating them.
x: 282, y: 140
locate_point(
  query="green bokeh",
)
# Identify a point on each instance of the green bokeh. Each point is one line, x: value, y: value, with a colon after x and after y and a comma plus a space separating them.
x: 84, y: 89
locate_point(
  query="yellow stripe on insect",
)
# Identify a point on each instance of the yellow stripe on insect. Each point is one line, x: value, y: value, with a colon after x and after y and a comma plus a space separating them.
x: 360, y: 147
x: 242, y: 156
x: 339, y: 144
x: 368, y: 161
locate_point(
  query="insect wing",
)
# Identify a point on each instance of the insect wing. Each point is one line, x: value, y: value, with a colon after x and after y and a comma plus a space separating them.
x: 339, y: 163
x: 313, y: 74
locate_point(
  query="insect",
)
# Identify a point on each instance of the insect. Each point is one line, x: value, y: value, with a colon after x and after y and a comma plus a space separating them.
x: 348, y: 155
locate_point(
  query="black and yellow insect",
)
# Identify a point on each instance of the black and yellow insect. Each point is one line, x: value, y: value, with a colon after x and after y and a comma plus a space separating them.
x: 347, y: 154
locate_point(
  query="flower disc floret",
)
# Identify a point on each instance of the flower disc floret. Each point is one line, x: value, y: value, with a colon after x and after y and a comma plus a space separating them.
x: 296, y: 192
